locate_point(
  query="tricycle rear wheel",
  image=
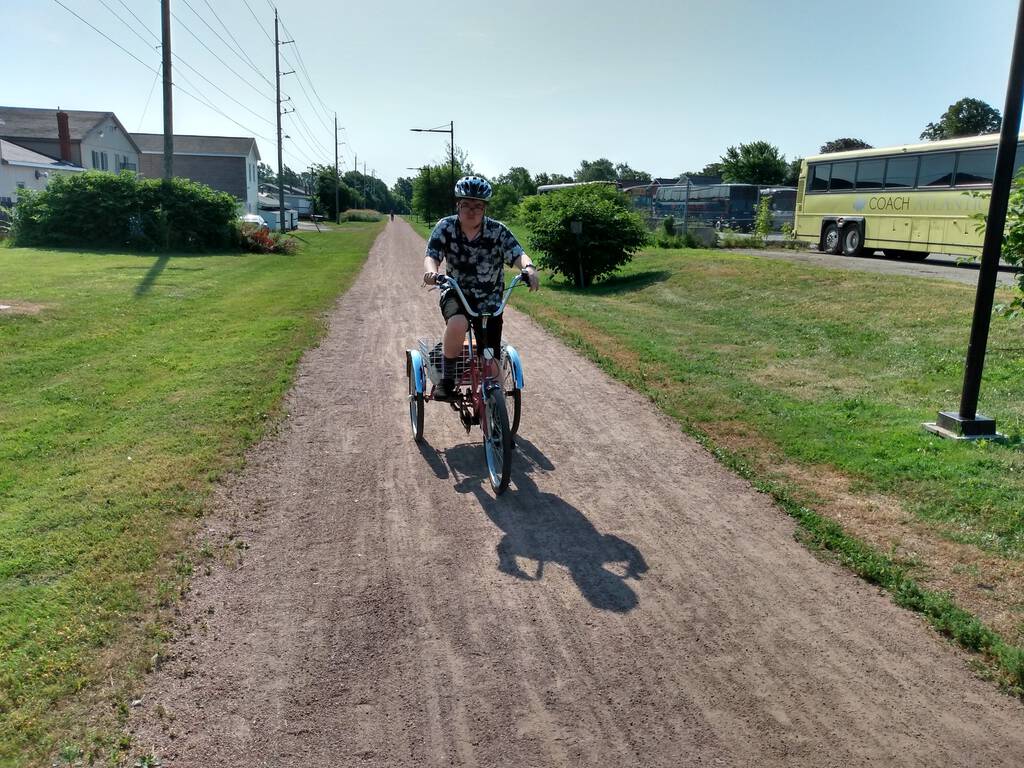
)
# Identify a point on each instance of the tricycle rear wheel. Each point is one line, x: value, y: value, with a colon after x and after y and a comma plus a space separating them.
x: 415, y: 407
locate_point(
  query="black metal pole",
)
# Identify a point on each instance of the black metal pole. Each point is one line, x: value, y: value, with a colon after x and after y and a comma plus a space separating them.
x: 994, y: 226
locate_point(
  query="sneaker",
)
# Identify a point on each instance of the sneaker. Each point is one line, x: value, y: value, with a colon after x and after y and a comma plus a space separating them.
x: 445, y: 390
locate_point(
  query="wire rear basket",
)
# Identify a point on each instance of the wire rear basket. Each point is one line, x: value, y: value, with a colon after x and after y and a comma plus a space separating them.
x: 432, y: 352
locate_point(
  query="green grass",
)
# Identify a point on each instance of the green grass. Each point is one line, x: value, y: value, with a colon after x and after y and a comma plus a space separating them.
x: 143, y: 379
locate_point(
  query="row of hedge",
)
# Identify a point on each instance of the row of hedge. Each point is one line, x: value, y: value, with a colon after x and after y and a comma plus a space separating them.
x: 107, y: 210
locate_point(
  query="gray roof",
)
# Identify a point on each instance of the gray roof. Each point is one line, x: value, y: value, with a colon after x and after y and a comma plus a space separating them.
x: 15, y: 155
x: 235, y: 146
x: 31, y: 123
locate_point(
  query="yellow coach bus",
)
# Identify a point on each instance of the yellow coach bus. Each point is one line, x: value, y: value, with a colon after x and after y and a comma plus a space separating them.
x: 907, y: 201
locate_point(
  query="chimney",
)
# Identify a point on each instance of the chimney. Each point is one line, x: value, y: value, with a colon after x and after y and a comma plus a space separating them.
x: 64, y: 134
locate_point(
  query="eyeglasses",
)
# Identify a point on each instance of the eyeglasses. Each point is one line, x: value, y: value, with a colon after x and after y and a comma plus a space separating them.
x: 471, y: 207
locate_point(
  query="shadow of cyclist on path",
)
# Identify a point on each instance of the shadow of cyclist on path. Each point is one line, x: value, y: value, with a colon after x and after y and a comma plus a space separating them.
x: 544, y: 528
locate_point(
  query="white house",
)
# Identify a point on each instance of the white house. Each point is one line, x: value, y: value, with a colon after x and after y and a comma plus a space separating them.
x: 21, y: 168
x: 226, y: 163
x: 91, y: 140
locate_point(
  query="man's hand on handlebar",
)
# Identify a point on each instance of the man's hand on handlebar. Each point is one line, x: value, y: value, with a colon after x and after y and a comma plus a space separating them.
x: 430, y: 278
x: 530, y: 274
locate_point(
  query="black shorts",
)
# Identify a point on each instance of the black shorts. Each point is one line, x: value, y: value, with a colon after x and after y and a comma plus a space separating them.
x: 451, y: 306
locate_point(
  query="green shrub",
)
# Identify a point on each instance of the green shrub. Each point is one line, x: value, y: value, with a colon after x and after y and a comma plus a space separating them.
x: 668, y: 224
x: 612, y: 231
x: 684, y: 240
x: 104, y: 209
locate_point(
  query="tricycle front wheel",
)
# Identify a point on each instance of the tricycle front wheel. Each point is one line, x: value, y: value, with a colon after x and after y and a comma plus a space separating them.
x: 513, y: 395
x: 497, y: 441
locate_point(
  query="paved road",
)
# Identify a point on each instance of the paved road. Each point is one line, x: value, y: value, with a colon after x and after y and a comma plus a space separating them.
x: 937, y: 265
x: 628, y: 602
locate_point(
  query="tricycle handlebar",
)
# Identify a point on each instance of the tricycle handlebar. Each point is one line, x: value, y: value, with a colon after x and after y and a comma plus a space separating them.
x: 446, y: 280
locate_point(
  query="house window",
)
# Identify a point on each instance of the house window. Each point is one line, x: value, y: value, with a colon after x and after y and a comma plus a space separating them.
x: 21, y: 185
x: 95, y: 159
x: 103, y: 160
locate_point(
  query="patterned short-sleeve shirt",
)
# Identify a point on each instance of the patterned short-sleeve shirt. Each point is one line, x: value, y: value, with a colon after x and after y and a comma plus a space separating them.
x: 479, y: 264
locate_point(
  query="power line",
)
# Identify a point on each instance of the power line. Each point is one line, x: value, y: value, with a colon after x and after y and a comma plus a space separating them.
x: 258, y: 24
x: 227, y: 66
x: 157, y: 72
x: 180, y: 61
x: 108, y: 38
x: 304, y: 93
x: 146, y: 108
x: 130, y: 27
x: 141, y: 22
x: 226, y: 44
x: 214, y: 85
x: 305, y: 71
x: 230, y: 34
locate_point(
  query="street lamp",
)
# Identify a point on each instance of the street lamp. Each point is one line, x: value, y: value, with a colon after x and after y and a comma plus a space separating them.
x: 450, y: 130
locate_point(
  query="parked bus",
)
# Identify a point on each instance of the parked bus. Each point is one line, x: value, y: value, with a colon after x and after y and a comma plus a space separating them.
x: 908, y: 201
x: 723, y: 206
x: 782, y: 202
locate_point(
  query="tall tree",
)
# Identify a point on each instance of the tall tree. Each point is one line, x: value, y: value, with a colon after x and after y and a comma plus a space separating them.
x: 967, y: 117
x: 266, y: 174
x: 402, y: 189
x: 711, y: 169
x: 626, y: 175
x: 793, y: 172
x: 596, y: 170
x: 842, y: 145
x: 756, y: 163
x: 520, y: 180
x: 551, y: 178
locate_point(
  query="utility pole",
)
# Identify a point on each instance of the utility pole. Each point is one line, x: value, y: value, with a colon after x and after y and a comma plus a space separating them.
x: 165, y: 48
x: 337, y: 179
x: 280, y: 135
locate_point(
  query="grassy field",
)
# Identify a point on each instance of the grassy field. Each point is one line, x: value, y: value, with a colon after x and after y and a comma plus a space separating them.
x: 128, y: 383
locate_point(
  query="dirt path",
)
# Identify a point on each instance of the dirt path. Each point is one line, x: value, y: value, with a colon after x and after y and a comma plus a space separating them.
x: 628, y: 602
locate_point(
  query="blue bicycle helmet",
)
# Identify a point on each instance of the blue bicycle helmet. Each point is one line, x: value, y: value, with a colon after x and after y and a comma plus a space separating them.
x: 473, y: 188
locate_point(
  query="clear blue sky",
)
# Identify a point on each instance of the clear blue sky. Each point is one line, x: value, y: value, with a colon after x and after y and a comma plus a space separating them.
x: 666, y: 86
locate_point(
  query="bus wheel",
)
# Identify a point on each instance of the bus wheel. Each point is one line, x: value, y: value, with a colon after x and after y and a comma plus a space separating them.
x: 830, y: 239
x: 851, y: 241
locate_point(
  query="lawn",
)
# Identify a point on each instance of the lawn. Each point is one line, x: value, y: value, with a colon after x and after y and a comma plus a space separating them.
x: 128, y: 384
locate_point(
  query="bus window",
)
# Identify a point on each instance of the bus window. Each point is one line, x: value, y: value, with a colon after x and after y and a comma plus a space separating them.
x: 900, y: 172
x: 976, y: 167
x: 818, y: 177
x: 936, y: 170
x: 870, y: 173
x: 843, y: 175
x: 1018, y: 161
